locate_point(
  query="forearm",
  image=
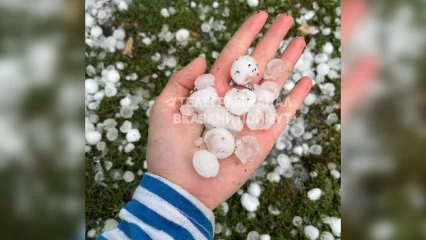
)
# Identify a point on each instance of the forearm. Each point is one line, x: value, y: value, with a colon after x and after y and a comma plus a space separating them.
x: 161, y: 209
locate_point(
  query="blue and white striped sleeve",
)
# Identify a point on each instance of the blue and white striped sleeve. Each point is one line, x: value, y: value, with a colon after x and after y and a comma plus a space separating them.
x: 162, y: 210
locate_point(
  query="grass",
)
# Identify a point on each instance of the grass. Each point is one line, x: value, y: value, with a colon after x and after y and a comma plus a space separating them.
x: 103, y: 202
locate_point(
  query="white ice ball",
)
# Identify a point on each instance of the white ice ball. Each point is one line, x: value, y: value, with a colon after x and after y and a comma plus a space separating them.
x: 335, y: 174
x: 254, y: 189
x: 315, y: 194
x: 265, y: 237
x: 249, y: 202
x: 323, y: 69
x: 113, y: 76
x: 128, y: 176
x: 91, y: 86
x: 326, y: 236
x: 133, y: 135
x: 96, y: 31
x: 239, y: 101
x: 220, y: 142
x: 93, y: 137
x: 244, y: 69
x: 182, y: 35
x: 328, y: 48
x: 311, y: 232
x: 204, y: 80
x: 253, y: 3
x: 205, y: 164
x: 310, y: 99
x: 204, y: 98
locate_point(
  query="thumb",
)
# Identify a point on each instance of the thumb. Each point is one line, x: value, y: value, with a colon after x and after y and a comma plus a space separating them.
x: 182, y: 82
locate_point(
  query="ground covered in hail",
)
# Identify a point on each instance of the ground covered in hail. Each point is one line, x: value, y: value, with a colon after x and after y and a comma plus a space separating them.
x: 132, y: 49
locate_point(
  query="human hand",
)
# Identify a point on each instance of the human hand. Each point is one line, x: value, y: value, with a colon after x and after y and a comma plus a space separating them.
x: 171, y: 145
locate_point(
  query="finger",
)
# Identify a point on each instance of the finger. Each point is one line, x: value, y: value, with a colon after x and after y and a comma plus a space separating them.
x: 356, y: 82
x: 267, y: 47
x: 181, y: 83
x: 235, y: 48
x: 353, y: 12
x: 288, y: 107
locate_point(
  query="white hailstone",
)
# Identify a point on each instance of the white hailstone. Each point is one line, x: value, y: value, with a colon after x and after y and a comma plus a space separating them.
x: 93, y: 137
x: 263, y: 95
x: 240, y: 228
x: 253, y: 235
x: 251, y: 215
x: 206, y: 27
x: 128, y: 176
x: 331, y: 166
x: 113, y: 76
x: 323, y: 69
x: 321, y: 58
x: 284, y: 161
x: 311, y: 232
x: 328, y: 89
x: 235, y: 124
x: 315, y: 149
x: 297, y: 221
x: 253, y: 3
x: 254, y: 189
x: 239, y: 101
x: 276, y: 69
x: 247, y: 148
x: 91, y: 86
x: 310, y: 99
x: 265, y: 237
x: 298, y: 150
x: 126, y: 112
x: 204, y: 98
x: 218, y: 228
x: 204, y: 80
x: 133, y: 135
x: 309, y: 15
x: 193, y: 4
x: 249, y: 202
x: 99, y: 96
x: 335, y: 225
x: 182, y: 35
x: 273, y: 210
x: 273, y: 87
x: 307, y: 136
x: 101, y: 146
x: 107, y: 165
x: 126, y: 126
x: 109, y: 224
x: 96, y: 31
x: 273, y: 177
x: 119, y: 34
x: 326, y: 236
x: 91, y: 233
x: 220, y: 142
x: 315, y: 194
x: 122, y: 6
x: 224, y: 207
x: 288, y: 86
x: 332, y: 118
x: 244, y: 69
x: 89, y: 21
x: 99, y: 177
x: 335, y: 174
x: 205, y: 164
x: 261, y: 116
x: 165, y: 12
x: 147, y: 41
x: 215, y: 54
x: 326, y: 31
x: 313, y: 174
x: 215, y: 4
x: 112, y: 134
x: 186, y: 110
x: 328, y: 48
x: 125, y: 102
x: 297, y: 130
x: 129, y: 147
x: 217, y: 116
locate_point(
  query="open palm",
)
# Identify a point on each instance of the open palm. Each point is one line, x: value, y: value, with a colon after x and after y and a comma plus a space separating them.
x: 171, y: 145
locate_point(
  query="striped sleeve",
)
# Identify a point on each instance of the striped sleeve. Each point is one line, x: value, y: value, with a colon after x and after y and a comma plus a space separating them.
x: 161, y: 209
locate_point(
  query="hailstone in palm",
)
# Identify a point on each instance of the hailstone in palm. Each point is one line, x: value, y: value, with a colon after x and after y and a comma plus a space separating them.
x: 247, y: 148
x: 220, y: 142
x: 239, y: 101
x: 205, y: 164
x: 244, y: 69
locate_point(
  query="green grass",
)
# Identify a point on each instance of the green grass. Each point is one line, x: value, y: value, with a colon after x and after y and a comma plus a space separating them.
x: 144, y: 16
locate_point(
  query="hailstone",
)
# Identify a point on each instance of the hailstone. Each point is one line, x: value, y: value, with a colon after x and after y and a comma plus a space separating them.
x: 276, y: 69
x: 217, y: 116
x: 220, y: 142
x: 247, y: 148
x: 239, y: 101
x: 186, y: 110
x: 204, y: 98
x: 204, y: 81
x: 205, y: 164
x: 261, y: 116
x: 244, y: 69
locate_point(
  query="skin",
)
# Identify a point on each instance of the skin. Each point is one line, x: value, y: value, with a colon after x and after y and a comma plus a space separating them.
x: 171, y: 145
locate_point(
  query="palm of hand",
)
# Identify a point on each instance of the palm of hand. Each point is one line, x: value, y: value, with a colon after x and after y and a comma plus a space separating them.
x: 171, y: 145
